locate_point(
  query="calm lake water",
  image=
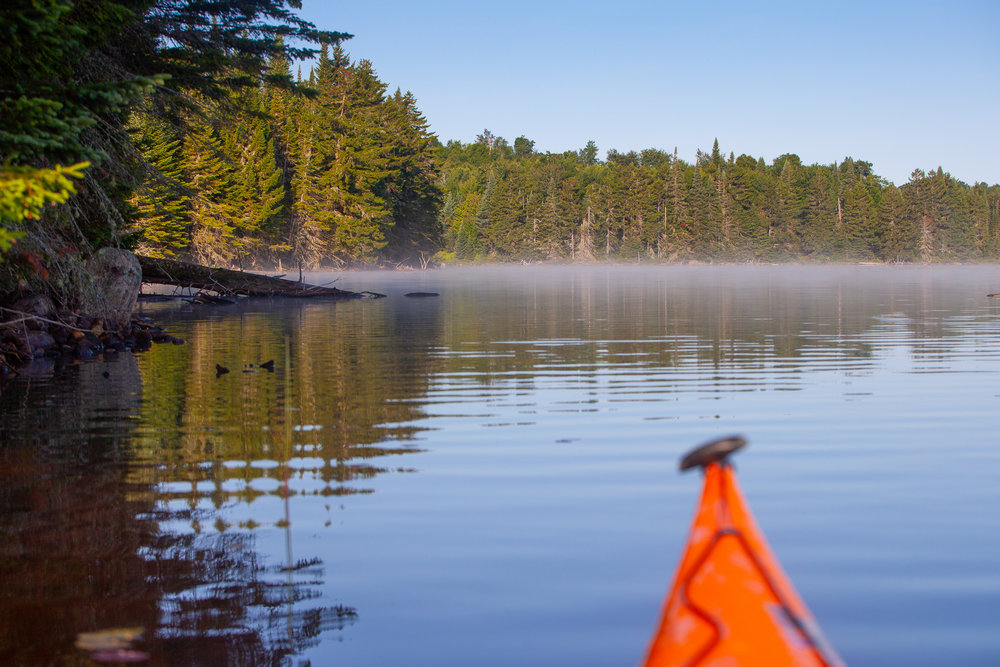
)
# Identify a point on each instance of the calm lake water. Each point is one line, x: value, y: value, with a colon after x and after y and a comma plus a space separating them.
x: 489, y: 477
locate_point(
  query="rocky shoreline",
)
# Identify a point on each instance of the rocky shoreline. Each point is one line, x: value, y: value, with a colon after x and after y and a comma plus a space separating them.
x: 32, y: 328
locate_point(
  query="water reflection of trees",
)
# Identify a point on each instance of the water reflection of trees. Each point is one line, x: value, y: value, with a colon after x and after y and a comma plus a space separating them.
x: 714, y: 318
x: 117, y: 495
x: 88, y: 543
x: 332, y: 414
x: 221, y: 605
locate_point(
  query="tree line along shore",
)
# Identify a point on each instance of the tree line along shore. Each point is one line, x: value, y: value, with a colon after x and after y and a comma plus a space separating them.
x: 239, y: 135
x: 507, y: 203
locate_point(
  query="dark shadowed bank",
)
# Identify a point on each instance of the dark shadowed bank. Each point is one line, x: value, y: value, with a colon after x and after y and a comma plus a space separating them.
x: 33, y: 330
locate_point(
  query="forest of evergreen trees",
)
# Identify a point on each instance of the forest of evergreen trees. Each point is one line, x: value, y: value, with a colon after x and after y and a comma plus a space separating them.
x: 506, y: 202
x: 271, y: 176
x: 356, y: 176
x: 182, y: 131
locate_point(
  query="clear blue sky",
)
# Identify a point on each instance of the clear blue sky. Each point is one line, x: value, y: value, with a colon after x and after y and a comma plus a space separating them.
x: 903, y: 85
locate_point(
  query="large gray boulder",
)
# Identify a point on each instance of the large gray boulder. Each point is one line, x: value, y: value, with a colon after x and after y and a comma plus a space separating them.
x: 114, y: 279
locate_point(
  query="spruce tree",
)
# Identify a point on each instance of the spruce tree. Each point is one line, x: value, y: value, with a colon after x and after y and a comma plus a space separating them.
x: 412, y: 189
x: 304, y: 233
x: 73, y: 72
x: 466, y: 233
x: 284, y: 111
x: 210, y: 179
x: 899, y: 235
x: 317, y: 184
x: 362, y: 167
x: 162, y: 219
x: 258, y: 195
x: 487, y: 203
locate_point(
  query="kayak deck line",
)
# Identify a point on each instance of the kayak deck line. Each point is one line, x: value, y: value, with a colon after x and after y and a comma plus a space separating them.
x: 730, y: 602
x: 782, y: 612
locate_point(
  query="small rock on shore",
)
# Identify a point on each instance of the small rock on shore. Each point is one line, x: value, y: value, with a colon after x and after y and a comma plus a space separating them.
x: 33, y: 328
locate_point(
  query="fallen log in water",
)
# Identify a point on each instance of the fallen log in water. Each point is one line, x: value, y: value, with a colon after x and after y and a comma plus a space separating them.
x: 231, y: 282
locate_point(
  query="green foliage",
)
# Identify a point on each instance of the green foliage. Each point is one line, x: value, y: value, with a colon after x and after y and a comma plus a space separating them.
x: 25, y: 192
x: 363, y: 177
x: 161, y: 202
x: 523, y: 146
x: 588, y: 155
x: 85, y: 80
x: 241, y: 163
x: 344, y: 189
x: 257, y: 197
x: 53, y: 92
x: 210, y: 177
x: 650, y: 205
x: 272, y: 175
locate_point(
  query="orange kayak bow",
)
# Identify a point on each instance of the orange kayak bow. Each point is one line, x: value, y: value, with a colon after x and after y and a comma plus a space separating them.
x: 730, y: 602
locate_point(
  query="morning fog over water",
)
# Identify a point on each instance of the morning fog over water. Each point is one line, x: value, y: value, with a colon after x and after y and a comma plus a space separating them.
x: 489, y: 476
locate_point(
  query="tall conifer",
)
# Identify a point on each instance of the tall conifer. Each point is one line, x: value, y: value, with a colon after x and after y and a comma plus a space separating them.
x: 209, y: 177
x: 258, y: 196
x: 413, y: 193
x: 161, y: 203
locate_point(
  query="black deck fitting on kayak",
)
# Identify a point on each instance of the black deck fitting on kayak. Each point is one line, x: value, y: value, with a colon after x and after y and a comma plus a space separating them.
x: 715, y: 451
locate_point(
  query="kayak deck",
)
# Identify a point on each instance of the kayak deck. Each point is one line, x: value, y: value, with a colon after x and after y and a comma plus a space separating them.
x: 730, y: 602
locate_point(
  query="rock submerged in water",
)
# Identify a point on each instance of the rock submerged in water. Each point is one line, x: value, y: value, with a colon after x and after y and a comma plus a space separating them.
x: 38, y: 333
x: 38, y: 342
x: 421, y: 295
x: 33, y: 328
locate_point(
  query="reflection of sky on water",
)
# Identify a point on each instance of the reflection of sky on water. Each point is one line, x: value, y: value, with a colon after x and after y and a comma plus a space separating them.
x: 492, y: 473
x: 545, y: 451
x: 557, y: 455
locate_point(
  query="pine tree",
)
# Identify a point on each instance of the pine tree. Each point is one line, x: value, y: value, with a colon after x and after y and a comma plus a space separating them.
x: 304, y: 235
x: 412, y: 190
x: 161, y: 202
x: 363, y: 168
x: 345, y: 192
x: 258, y: 195
x: 484, y: 211
x: 209, y: 177
x: 588, y: 154
x: 899, y: 235
x: 466, y: 234
x: 744, y: 189
x: 283, y: 110
x: 49, y: 108
x: 74, y: 70
x: 279, y: 102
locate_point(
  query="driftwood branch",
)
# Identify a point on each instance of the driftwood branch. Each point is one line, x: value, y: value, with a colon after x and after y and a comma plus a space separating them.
x: 230, y: 282
x: 28, y: 317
